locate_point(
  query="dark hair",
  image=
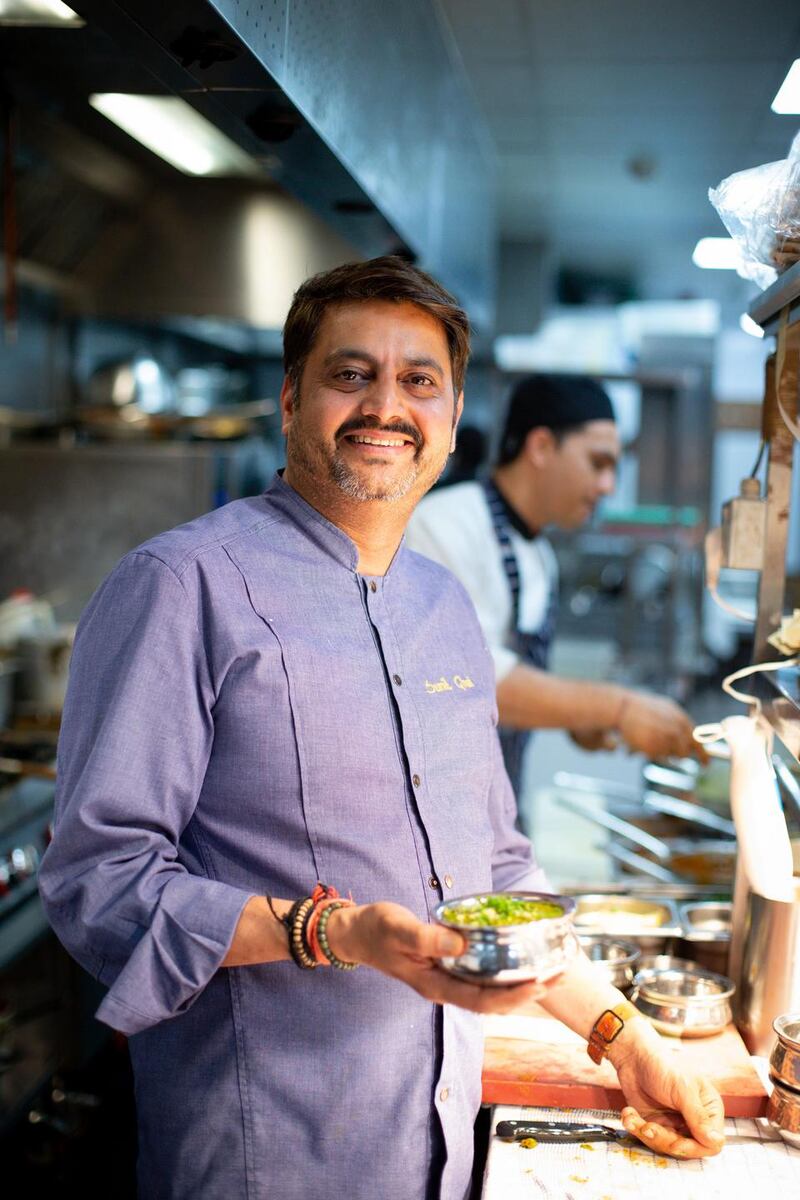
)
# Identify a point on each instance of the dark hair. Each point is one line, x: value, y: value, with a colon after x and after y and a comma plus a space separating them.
x: 560, y: 403
x: 388, y: 278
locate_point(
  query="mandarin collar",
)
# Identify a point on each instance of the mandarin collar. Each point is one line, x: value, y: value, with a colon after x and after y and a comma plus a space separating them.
x: 329, y: 538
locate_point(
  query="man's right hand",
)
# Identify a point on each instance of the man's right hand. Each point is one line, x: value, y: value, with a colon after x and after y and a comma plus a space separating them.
x: 389, y: 938
x: 656, y: 727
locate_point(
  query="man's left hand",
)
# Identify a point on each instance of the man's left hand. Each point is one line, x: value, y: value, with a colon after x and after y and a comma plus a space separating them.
x: 672, y: 1112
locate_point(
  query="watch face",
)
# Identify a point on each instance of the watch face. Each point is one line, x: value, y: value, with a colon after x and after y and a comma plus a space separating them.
x: 609, y: 1025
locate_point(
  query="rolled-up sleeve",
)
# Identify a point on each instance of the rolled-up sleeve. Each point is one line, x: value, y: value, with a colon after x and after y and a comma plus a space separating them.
x: 514, y: 862
x: 135, y: 741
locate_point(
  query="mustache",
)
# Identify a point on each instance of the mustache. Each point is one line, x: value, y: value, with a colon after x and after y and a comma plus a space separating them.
x: 362, y: 424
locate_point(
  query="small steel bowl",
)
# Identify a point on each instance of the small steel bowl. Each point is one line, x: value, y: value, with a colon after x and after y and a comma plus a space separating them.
x: 498, y: 955
x: 613, y: 958
x: 783, y: 1111
x: 683, y: 1001
x: 784, y: 1062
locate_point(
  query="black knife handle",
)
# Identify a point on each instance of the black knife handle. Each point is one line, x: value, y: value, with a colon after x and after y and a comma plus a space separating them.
x: 557, y: 1131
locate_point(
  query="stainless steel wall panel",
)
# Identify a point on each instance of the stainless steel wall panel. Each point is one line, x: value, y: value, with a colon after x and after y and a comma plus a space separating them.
x: 383, y: 88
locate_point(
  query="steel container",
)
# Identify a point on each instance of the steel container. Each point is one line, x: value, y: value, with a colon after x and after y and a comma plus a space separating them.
x: 683, y: 1001
x: 652, y: 924
x: 613, y: 958
x: 706, y: 934
x: 764, y: 961
x: 783, y: 1110
x: 784, y: 1062
x: 498, y: 955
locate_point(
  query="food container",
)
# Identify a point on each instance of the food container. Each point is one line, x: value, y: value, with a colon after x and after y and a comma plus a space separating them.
x: 706, y: 933
x: 784, y: 1062
x: 652, y: 924
x: 783, y: 1110
x: 683, y: 1001
x: 613, y: 958
x: 498, y: 955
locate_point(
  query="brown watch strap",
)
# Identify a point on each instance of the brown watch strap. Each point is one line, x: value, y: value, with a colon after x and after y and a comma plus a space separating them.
x: 607, y: 1028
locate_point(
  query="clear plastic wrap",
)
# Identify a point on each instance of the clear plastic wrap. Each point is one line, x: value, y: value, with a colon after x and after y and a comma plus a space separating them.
x: 760, y: 208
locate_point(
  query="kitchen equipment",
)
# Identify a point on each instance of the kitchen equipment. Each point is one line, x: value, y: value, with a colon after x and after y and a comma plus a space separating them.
x: 683, y: 1001
x: 706, y: 933
x: 784, y: 1062
x: 783, y: 1111
x: 651, y: 924
x: 498, y: 955
x: 641, y: 808
x: 561, y: 1132
x: 140, y: 382
x: 665, y: 962
x: 764, y: 961
x: 701, y: 860
x: 616, y: 960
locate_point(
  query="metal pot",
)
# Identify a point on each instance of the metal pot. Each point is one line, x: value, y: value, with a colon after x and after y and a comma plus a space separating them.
x: 683, y: 1001
x: 784, y: 1061
x: 613, y: 958
x: 783, y: 1111
x: 497, y: 955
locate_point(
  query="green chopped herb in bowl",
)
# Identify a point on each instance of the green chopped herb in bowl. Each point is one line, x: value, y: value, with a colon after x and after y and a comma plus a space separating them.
x: 496, y: 910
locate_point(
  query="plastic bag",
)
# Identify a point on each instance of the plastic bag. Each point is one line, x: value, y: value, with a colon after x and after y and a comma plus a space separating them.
x: 761, y: 210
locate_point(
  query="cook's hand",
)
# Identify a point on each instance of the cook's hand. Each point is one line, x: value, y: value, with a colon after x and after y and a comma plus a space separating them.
x: 594, y: 739
x: 672, y: 1112
x: 657, y: 727
x: 389, y: 938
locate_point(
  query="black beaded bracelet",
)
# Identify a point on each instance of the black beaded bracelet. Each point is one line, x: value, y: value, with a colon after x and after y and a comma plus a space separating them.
x: 322, y: 938
x: 295, y: 923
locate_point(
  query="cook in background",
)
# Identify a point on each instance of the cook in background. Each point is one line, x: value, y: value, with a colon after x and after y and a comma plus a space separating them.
x: 228, y: 733
x: 558, y: 457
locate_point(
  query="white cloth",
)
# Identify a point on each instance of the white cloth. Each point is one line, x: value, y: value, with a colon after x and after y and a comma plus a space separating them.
x: 453, y: 526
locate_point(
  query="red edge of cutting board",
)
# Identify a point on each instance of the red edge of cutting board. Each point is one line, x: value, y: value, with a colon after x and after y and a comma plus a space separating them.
x: 527, y: 1074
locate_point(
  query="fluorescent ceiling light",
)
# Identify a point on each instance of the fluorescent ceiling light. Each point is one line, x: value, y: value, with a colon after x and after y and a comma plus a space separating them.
x: 175, y: 131
x: 716, y: 254
x: 38, y: 12
x: 747, y: 323
x: 788, y: 97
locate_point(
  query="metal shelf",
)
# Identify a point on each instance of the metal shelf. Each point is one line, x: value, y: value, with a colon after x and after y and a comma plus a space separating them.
x: 767, y: 308
x: 779, y: 693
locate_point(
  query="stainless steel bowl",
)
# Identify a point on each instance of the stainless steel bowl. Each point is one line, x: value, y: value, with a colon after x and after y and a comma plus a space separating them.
x: 784, y: 1062
x: 683, y: 1001
x: 706, y: 934
x: 498, y: 955
x: 613, y: 958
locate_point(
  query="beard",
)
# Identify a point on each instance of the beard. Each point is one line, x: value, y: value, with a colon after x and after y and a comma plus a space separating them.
x: 315, y: 458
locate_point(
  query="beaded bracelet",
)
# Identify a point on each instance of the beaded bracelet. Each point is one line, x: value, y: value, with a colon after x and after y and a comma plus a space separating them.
x: 299, y: 913
x: 294, y: 922
x: 322, y: 937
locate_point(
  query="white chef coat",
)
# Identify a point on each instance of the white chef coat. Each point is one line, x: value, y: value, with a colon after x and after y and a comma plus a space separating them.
x: 453, y: 526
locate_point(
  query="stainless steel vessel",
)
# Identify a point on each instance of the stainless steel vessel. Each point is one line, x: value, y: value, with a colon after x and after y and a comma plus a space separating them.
x: 764, y: 961
x: 497, y: 955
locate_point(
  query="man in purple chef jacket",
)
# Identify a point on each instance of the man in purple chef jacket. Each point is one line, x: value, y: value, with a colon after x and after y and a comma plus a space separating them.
x: 280, y: 693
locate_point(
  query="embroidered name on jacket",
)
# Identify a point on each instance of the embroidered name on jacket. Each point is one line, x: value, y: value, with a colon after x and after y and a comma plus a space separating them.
x: 462, y: 682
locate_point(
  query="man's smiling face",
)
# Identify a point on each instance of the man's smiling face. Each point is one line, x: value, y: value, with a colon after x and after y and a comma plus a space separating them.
x: 374, y: 412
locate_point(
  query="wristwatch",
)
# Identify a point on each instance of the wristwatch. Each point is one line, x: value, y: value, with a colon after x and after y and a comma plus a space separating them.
x: 607, y: 1028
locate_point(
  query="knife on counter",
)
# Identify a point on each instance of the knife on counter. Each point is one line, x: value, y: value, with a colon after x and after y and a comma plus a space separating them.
x: 560, y: 1131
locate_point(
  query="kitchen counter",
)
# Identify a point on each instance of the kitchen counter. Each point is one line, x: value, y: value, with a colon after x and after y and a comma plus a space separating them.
x: 532, y: 1059
x: 755, y: 1161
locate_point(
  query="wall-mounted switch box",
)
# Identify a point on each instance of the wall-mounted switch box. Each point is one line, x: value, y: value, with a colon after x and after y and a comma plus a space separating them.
x: 743, y: 521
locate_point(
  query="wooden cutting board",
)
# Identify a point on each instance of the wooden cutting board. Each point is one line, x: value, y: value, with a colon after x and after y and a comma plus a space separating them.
x: 542, y: 1064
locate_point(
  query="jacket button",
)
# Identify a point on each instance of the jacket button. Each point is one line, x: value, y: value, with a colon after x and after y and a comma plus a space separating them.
x: 444, y: 1094
x: 415, y: 779
x: 433, y: 882
x: 448, y: 881
x: 373, y: 587
x: 397, y: 680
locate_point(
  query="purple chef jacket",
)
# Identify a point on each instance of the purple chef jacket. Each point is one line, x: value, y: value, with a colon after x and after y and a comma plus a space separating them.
x: 248, y: 714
